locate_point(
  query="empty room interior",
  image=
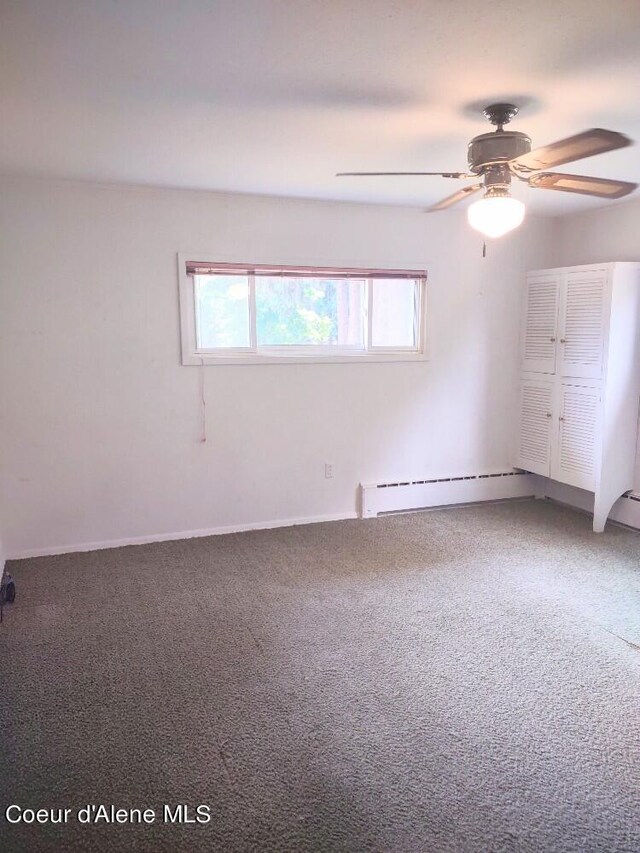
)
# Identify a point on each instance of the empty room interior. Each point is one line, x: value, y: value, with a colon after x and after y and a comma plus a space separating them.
x: 319, y: 396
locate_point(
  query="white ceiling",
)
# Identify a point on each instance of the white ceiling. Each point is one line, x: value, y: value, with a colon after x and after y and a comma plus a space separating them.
x: 275, y: 96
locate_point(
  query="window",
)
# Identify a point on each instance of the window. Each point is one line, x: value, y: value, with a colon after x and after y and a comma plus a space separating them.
x: 241, y: 314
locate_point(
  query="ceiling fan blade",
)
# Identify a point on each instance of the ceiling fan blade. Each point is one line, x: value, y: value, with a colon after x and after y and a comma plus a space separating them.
x: 388, y: 174
x: 594, y: 141
x: 600, y: 187
x: 456, y: 197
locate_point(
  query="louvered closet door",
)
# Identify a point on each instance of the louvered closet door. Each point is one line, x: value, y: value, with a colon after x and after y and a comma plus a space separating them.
x: 582, y: 326
x: 540, y: 318
x: 574, y: 461
x: 534, y: 427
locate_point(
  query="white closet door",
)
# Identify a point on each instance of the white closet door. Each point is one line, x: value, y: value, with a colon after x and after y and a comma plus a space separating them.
x: 574, y: 461
x: 583, y: 323
x: 540, y: 318
x: 534, y: 427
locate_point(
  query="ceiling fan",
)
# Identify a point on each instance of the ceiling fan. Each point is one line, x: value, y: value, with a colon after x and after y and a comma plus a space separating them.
x: 496, y: 156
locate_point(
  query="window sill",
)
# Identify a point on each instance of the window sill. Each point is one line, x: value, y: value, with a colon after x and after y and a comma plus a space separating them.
x: 209, y: 359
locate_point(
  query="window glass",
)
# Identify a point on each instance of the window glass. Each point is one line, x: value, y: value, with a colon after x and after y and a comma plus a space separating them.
x: 394, y: 312
x: 222, y: 311
x: 309, y: 312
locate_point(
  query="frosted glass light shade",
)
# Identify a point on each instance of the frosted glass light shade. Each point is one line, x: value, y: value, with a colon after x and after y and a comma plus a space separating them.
x: 495, y: 216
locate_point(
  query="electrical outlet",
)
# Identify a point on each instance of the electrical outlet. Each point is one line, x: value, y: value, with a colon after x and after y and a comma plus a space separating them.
x: 328, y: 470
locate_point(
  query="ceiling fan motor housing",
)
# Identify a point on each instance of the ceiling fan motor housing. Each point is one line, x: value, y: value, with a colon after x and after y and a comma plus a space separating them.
x: 497, y: 147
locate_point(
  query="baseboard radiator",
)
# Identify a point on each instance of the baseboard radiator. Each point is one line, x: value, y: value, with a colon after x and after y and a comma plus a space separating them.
x: 378, y: 498
x: 626, y: 510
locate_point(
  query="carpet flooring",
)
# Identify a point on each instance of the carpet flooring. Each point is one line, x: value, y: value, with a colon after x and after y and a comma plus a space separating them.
x: 460, y: 680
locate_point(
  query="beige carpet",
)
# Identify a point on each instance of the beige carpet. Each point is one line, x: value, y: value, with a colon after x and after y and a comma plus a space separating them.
x: 461, y: 680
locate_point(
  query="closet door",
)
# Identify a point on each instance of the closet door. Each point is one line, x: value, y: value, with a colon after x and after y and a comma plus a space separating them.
x: 582, y: 326
x: 540, y: 317
x: 534, y: 426
x: 574, y: 459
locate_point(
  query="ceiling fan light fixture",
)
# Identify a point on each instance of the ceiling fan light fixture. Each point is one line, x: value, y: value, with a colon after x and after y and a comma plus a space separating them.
x: 496, y: 214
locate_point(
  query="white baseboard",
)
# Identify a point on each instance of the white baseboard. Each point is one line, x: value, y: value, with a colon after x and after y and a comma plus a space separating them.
x: 396, y: 499
x: 169, y: 537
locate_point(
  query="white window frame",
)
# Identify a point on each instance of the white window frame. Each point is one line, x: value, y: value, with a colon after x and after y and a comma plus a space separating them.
x: 303, y: 354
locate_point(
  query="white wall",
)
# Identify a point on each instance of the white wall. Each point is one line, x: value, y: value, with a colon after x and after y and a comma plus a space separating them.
x: 100, y: 423
x: 610, y: 233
